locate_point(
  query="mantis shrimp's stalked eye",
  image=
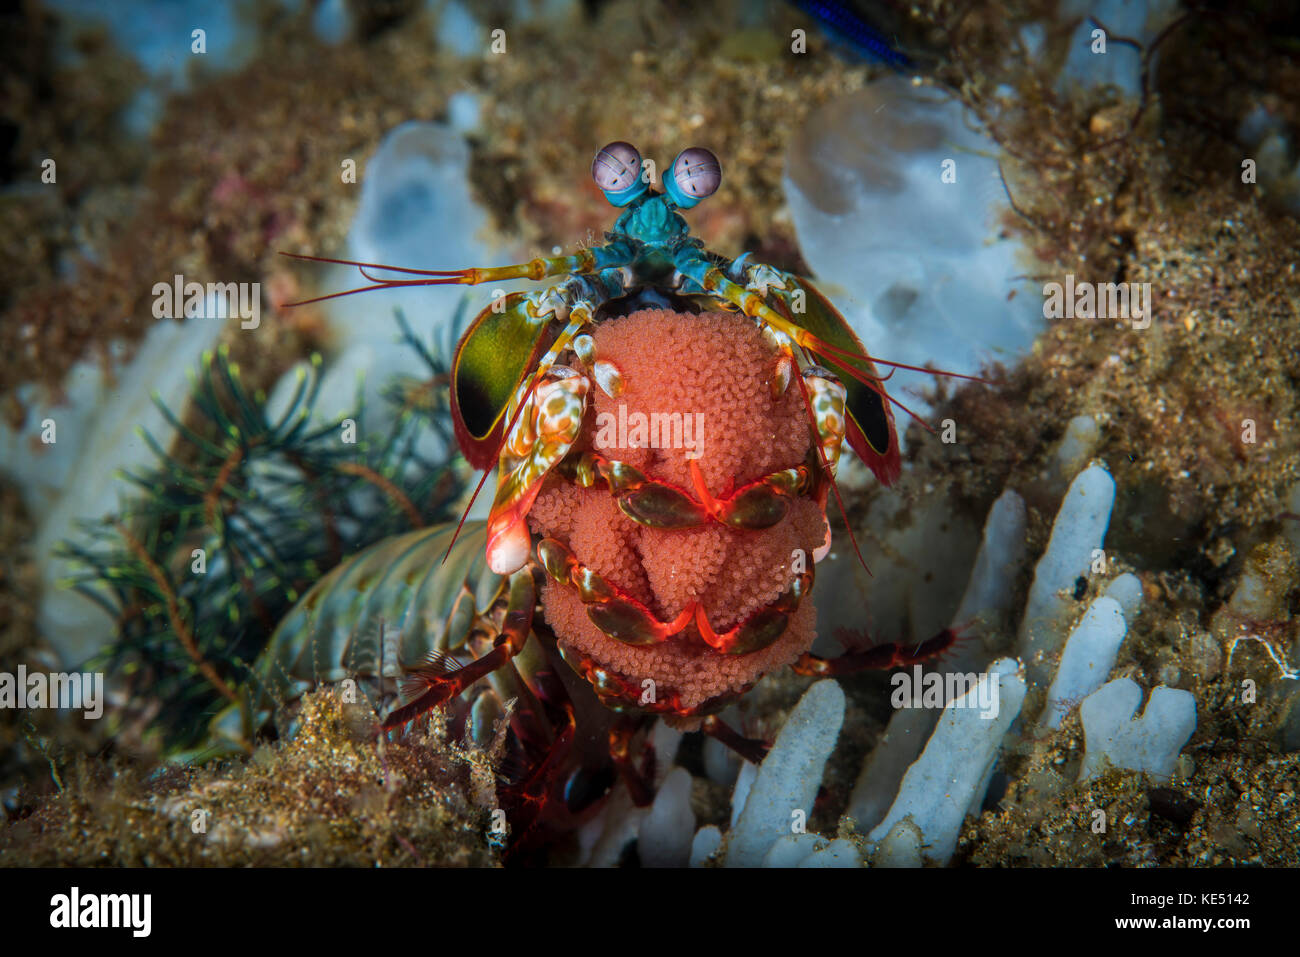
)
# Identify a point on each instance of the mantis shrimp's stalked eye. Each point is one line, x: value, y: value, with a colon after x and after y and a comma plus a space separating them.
x: 696, y: 176
x: 617, y: 171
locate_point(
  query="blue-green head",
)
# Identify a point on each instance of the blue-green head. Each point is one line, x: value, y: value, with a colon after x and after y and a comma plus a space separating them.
x: 651, y: 216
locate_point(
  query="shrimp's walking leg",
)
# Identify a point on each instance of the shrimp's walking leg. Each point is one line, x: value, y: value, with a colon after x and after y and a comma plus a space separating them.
x: 432, y: 684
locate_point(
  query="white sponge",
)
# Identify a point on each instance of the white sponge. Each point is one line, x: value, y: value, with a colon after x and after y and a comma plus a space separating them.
x: 1088, y: 657
x: 1150, y: 743
x: 786, y: 786
x: 944, y: 782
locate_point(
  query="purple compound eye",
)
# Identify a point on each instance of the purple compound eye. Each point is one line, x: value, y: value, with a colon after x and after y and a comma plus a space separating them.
x: 617, y: 167
x: 696, y: 175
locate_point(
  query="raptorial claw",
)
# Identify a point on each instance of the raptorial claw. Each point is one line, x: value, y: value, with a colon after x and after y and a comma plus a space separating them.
x: 545, y: 431
x: 826, y: 396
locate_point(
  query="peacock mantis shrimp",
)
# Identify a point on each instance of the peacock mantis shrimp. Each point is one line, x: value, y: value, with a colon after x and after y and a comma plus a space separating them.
x: 620, y: 526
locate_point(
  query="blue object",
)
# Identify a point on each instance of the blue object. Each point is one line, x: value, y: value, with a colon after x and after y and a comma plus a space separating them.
x: 621, y: 197
x: 843, y: 24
